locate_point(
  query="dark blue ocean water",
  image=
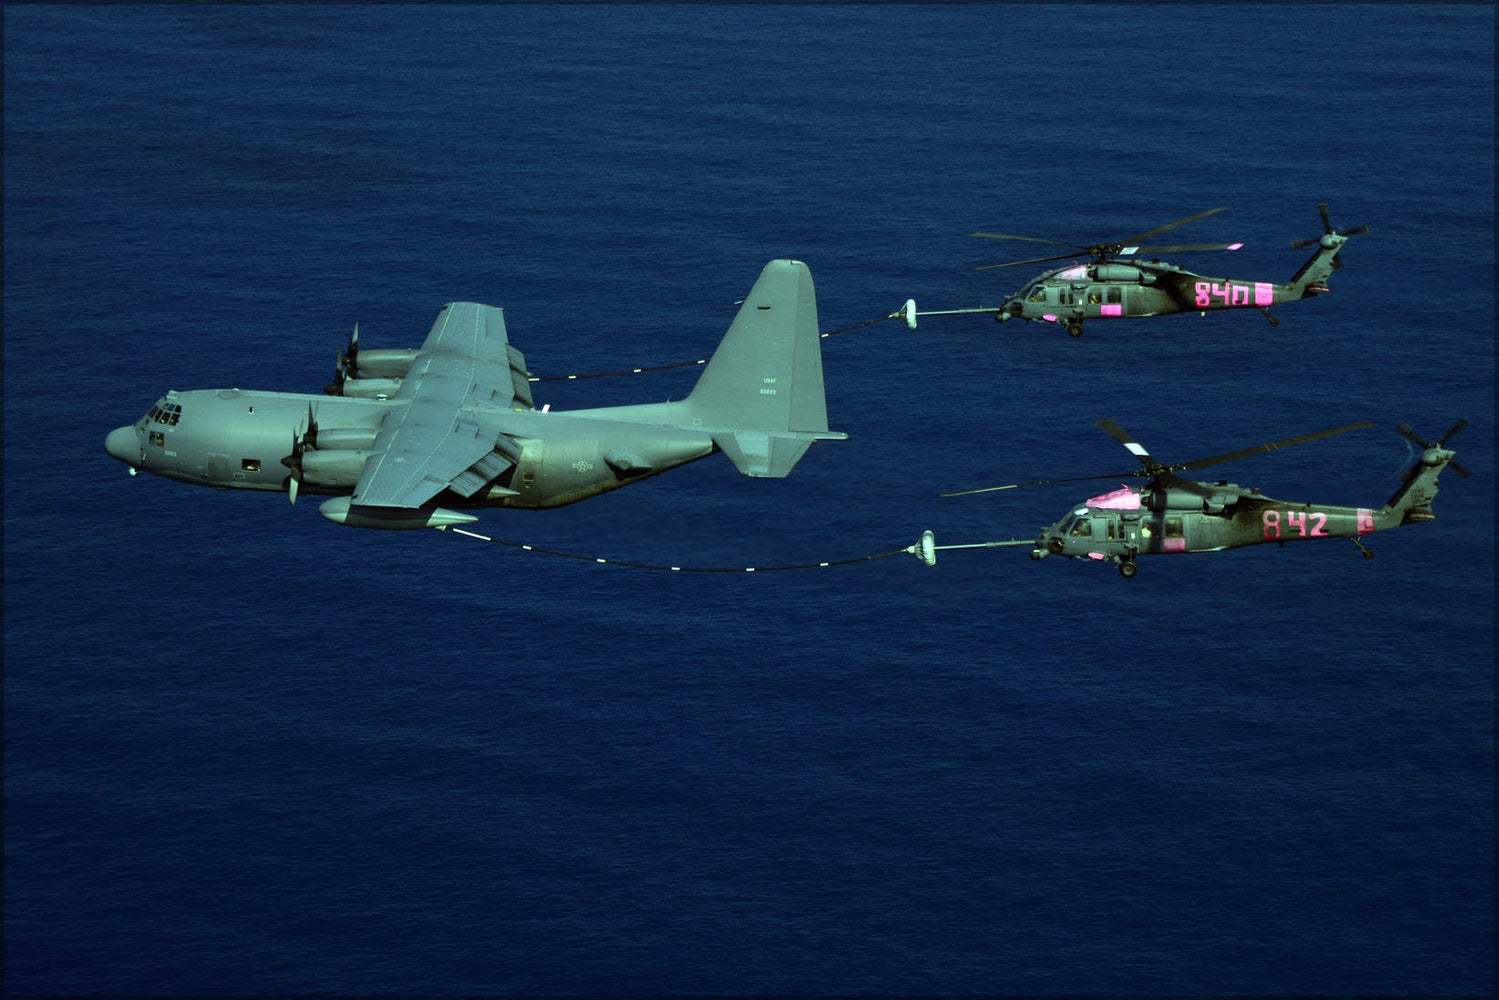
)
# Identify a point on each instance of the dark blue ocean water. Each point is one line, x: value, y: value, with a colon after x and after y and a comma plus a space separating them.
x: 249, y: 751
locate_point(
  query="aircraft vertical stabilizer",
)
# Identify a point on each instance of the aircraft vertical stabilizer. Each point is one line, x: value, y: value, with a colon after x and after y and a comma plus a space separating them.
x: 761, y: 395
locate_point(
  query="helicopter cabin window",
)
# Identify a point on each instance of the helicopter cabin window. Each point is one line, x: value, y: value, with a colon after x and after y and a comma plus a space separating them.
x: 249, y: 464
x: 1115, y: 529
x: 1174, y: 527
x: 1095, y: 296
x: 1116, y: 296
x: 1082, y: 528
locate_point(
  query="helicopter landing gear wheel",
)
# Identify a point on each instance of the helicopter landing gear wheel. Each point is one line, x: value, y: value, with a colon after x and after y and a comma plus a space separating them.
x: 1128, y: 569
x: 1075, y: 328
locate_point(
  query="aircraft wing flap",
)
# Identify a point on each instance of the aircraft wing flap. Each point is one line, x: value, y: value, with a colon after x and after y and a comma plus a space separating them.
x: 438, y: 440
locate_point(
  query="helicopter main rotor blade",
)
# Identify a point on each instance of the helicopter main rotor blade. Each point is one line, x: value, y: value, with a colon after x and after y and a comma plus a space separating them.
x: 1188, y: 246
x: 1175, y: 482
x: 1033, y: 260
x: 1142, y: 237
x: 1038, y: 482
x: 1028, y: 239
x: 1123, y: 436
x: 1270, y: 446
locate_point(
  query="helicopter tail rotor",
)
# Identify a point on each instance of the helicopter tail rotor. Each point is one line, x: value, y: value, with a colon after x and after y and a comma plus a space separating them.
x: 1419, y: 484
x: 1440, y: 443
x: 1328, y: 230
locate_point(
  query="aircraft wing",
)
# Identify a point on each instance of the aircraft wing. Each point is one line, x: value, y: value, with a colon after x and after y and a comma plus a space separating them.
x: 439, y: 438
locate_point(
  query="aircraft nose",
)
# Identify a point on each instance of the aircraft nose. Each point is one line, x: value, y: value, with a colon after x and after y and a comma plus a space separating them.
x: 124, y: 444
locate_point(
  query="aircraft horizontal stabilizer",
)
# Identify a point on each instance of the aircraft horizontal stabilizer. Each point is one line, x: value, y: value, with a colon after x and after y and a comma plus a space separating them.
x: 769, y: 455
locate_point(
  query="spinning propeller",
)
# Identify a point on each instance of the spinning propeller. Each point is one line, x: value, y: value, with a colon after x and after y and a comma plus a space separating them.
x: 1441, y: 442
x: 346, y: 367
x: 1329, y: 231
x: 1101, y: 251
x: 300, y: 442
x: 1162, y: 475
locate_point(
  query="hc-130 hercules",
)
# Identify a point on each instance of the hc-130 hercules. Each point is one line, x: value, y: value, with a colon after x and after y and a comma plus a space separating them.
x: 1170, y: 514
x: 1109, y: 288
x: 402, y: 437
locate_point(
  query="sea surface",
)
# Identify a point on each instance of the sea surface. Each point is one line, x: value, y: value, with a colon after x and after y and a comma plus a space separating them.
x: 248, y: 751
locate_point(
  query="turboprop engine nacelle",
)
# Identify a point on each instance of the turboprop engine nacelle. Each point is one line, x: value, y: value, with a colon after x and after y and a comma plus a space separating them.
x: 337, y: 468
x: 370, y: 388
x: 344, y: 438
x: 385, y: 362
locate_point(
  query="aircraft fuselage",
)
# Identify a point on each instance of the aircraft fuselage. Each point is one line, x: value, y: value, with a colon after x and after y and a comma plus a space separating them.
x: 237, y: 439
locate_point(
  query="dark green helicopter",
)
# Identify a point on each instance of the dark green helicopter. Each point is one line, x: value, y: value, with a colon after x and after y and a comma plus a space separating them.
x: 1110, y: 288
x: 1170, y: 514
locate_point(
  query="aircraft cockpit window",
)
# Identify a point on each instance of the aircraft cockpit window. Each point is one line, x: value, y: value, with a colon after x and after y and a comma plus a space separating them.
x: 1038, y: 294
x: 1095, y: 296
x: 1082, y: 528
x: 165, y: 413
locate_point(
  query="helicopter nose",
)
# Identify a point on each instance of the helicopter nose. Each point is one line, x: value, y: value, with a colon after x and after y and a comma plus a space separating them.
x: 123, y: 443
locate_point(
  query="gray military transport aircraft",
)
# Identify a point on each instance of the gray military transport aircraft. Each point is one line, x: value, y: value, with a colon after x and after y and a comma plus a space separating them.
x: 403, y: 436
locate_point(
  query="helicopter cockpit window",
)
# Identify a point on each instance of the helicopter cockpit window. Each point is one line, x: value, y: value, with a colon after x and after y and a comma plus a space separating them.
x: 1038, y: 294
x: 1082, y: 528
x: 1095, y: 296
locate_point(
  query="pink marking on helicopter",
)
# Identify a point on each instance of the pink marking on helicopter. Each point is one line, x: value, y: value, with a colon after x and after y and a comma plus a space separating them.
x: 1264, y: 293
x: 1234, y: 246
x: 1123, y: 498
x: 1111, y: 310
x: 1174, y: 545
x: 1077, y: 272
x: 1365, y: 521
